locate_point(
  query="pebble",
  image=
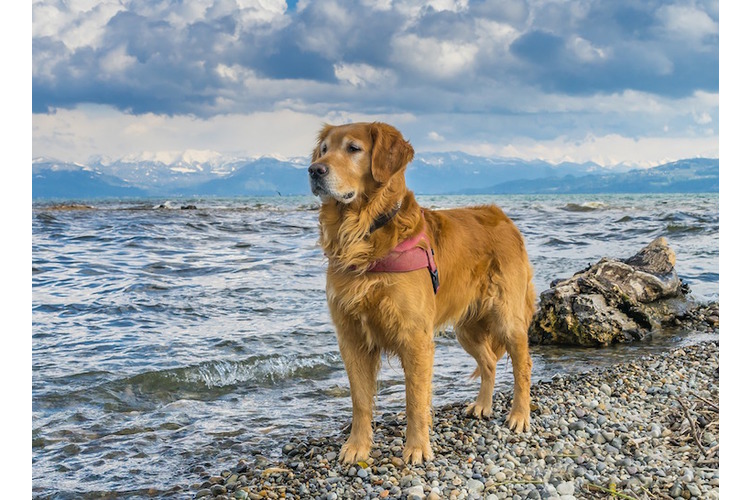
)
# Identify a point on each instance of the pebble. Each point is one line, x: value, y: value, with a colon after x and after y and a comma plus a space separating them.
x: 580, y: 434
x: 566, y: 488
x: 414, y: 491
x: 474, y: 485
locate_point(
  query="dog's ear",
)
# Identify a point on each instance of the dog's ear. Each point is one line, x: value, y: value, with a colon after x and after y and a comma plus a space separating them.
x: 321, y: 137
x: 390, y: 151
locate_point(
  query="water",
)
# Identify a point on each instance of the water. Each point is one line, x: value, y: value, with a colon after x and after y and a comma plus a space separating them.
x: 170, y: 342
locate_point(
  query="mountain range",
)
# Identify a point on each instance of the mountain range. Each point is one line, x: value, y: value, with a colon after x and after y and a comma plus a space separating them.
x: 200, y: 173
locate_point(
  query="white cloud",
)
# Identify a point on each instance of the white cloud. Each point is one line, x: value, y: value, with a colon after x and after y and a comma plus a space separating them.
x: 687, y: 22
x: 702, y: 118
x: 449, y: 5
x: 184, y: 14
x: 328, y: 31
x: 363, y: 75
x: 585, y: 51
x: 256, y: 12
x: 431, y: 56
x: 117, y: 62
x: 495, y: 34
x: 77, y: 24
x: 77, y: 134
x: 413, y: 9
x: 378, y: 5
x: 606, y: 150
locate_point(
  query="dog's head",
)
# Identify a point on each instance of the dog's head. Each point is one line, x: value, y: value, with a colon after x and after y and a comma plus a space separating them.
x: 352, y: 160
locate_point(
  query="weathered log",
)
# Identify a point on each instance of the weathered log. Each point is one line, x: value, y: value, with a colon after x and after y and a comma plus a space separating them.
x: 613, y: 300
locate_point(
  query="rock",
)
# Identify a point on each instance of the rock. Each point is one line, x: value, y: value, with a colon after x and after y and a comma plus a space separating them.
x: 566, y: 488
x: 675, y: 491
x: 218, y: 489
x: 613, y: 300
x: 474, y: 486
x: 414, y: 492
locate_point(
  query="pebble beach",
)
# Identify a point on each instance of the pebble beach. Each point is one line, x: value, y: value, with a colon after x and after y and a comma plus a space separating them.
x: 637, y: 430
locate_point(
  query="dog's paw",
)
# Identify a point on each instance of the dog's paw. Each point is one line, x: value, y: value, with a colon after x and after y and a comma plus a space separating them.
x: 417, y: 454
x: 479, y: 411
x: 353, y: 453
x: 519, y: 421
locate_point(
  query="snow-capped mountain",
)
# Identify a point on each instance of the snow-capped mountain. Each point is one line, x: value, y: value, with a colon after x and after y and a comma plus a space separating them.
x: 208, y: 173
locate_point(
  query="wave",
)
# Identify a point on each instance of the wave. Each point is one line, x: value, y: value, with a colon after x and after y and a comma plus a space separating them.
x: 255, y: 371
x: 563, y: 242
x: 684, y: 228
x: 205, y: 381
x: 588, y: 206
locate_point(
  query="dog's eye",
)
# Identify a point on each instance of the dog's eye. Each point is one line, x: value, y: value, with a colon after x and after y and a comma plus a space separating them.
x: 353, y: 148
x: 323, y: 149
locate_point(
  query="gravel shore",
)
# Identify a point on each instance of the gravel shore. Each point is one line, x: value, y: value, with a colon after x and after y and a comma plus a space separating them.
x: 646, y: 429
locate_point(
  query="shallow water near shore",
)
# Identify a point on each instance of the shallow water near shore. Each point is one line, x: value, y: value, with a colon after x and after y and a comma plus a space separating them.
x: 168, y: 342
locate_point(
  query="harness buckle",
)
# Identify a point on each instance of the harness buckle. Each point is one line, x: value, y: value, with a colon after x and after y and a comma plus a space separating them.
x: 434, y: 274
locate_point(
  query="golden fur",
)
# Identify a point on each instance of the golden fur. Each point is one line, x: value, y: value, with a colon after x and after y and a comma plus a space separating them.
x: 485, y: 291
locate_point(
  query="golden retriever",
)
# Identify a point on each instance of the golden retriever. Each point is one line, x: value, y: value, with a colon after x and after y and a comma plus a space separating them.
x: 485, y: 288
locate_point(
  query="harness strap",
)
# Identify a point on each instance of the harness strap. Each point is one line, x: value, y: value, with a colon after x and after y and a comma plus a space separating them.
x: 407, y: 256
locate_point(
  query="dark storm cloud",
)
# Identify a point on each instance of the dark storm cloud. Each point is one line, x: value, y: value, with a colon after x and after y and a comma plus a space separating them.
x: 148, y: 58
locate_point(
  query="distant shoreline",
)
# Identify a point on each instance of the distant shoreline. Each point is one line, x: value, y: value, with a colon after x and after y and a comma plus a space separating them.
x: 84, y: 202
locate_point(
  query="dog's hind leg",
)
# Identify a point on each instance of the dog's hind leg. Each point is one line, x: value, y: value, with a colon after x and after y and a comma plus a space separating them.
x: 475, y: 339
x: 516, y: 339
x: 513, y: 324
x: 518, y: 349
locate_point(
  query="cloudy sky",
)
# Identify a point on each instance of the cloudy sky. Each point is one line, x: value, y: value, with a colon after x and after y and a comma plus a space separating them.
x: 612, y: 82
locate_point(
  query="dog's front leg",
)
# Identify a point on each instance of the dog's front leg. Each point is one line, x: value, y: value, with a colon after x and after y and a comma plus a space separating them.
x: 417, y: 359
x: 362, y: 368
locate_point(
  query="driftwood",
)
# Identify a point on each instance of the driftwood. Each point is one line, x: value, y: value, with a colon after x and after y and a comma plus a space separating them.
x: 615, y: 301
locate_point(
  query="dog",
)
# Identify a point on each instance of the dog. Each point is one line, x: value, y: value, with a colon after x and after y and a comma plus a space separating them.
x: 481, y: 283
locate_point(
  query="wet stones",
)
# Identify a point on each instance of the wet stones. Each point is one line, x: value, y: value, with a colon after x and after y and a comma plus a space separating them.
x: 588, y: 438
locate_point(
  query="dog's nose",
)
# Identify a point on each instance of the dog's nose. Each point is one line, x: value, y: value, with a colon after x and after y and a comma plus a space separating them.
x: 318, y: 170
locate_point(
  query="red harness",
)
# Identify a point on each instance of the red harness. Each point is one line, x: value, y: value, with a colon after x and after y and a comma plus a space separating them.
x: 407, y: 256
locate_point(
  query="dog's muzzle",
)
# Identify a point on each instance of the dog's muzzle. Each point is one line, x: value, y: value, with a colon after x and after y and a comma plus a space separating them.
x: 318, y: 173
x: 320, y: 184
